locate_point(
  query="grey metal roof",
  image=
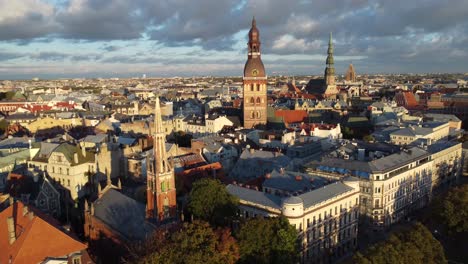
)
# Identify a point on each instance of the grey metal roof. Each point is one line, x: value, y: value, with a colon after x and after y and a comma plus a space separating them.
x: 288, y: 181
x: 254, y: 196
x: 16, y: 142
x: 397, y: 159
x: 123, y: 214
x: 95, y: 138
x: 256, y: 164
x: 325, y: 193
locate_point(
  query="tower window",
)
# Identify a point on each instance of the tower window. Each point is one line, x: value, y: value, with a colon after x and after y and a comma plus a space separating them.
x: 252, y: 115
x: 258, y: 87
x: 252, y: 100
x: 258, y: 100
x: 251, y: 87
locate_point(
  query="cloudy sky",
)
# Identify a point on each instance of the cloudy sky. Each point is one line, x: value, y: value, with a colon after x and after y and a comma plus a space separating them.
x: 125, y: 38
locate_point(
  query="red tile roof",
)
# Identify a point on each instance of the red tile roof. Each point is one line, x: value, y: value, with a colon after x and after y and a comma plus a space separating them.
x: 291, y: 116
x: 38, y: 236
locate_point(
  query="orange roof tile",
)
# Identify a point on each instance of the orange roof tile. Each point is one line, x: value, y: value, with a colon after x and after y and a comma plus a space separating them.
x: 291, y: 116
x: 37, y: 237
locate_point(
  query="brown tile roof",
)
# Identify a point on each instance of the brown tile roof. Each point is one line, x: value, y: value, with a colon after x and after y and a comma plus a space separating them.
x: 291, y: 116
x: 38, y: 236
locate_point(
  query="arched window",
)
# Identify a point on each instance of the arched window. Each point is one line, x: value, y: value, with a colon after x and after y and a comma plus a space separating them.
x: 252, y: 100
x: 251, y: 87
x: 252, y: 115
x: 258, y: 87
x: 258, y: 100
x: 258, y: 114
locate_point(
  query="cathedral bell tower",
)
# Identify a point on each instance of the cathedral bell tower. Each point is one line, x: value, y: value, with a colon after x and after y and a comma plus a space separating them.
x: 160, y: 191
x: 254, y: 81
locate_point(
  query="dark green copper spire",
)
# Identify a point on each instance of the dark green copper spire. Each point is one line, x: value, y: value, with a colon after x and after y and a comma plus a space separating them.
x: 330, y: 69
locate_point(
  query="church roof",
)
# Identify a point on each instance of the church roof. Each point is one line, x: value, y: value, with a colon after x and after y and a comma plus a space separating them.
x: 123, y: 214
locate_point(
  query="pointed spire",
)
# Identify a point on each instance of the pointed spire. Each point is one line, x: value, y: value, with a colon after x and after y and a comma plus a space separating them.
x: 158, y: 128
x: 330, y: 44
x: 254, y: 22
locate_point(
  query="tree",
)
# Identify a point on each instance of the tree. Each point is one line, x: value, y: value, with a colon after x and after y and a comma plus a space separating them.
x: 368, y: 138
x: 210, y: 201
x: 270, y: 240
x: 416, y: 245
x: 452, y: 210
x: 347, y: 133
x: 183, y: 139
x: 195, y: 243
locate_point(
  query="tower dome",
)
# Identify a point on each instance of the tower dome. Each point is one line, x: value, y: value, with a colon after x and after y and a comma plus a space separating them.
x: 292, y: 207
x: 254, y: 65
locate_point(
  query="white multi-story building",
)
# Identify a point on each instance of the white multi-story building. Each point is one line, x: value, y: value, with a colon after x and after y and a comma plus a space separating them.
x: 428, y: 133
x: 395, y: 185
x: 324, y: 212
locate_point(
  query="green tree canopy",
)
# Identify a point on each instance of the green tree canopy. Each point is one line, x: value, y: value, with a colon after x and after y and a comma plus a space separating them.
x: 195, y: 243
x: 452, y: 209
x: 414, y: 246
x: 210, y: 201
x: 270, y: 240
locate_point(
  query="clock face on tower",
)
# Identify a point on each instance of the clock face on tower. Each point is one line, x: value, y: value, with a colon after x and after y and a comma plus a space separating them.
x: 254, y: 72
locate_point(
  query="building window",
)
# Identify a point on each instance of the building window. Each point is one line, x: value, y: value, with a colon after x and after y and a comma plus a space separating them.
x: 76, y: 260
x: 251, y: 87
x: 252, y: 100
x: 258, y: 87
x: 68, y: 183
x: 258, y: 100
x: 68, y: 171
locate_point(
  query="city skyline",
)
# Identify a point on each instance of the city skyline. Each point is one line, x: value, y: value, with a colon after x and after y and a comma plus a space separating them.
x: 84, y: 38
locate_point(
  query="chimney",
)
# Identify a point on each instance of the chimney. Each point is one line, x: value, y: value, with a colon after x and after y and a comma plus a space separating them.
x: 11, y: 230
x: 25, y: 210
x: 31, y: 216
x: 75, y: 157
x: 83, y: 150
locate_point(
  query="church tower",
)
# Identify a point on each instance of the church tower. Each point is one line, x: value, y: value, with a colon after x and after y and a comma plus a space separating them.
x: 254, y: 81
x: 330, y: 69
x: 350, y: 74
x: 160, y: 191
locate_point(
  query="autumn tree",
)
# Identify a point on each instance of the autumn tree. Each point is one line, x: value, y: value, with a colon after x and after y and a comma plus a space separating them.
x: 416, y: 245
x: 271, y: 240
x: 210, y: 201
x: 195, y: 243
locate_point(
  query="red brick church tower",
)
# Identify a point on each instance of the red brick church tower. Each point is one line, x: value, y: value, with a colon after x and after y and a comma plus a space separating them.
x: 161, y: 190
x: 255, y: 80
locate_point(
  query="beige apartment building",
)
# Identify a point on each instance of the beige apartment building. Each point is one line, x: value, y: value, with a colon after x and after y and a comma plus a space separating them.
x: 324, y: 212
